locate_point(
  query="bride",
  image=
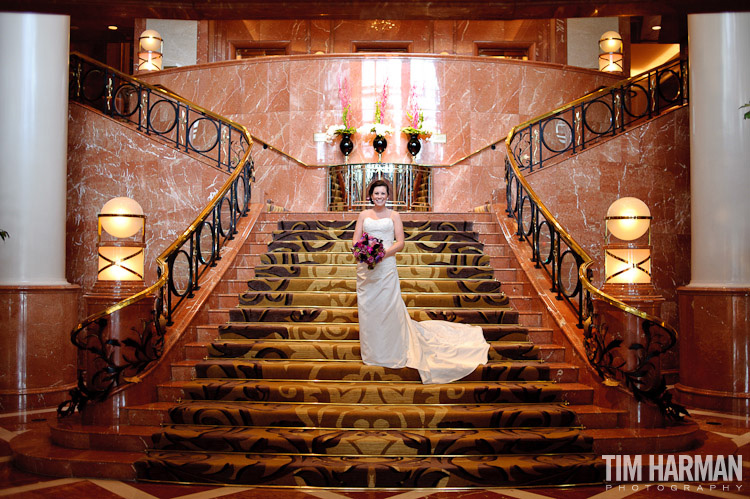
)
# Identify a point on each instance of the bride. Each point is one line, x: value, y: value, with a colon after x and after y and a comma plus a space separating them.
x: 441, y: 351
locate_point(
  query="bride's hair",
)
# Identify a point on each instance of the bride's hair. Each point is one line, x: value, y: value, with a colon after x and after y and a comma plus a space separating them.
x: 378, y: 183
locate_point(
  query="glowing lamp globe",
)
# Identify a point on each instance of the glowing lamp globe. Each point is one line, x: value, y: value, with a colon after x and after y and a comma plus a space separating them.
x: 611, y: 41
x: 628, y: 218
x: 150, y: 40
x: 122, y: 226
x: 610, y: 62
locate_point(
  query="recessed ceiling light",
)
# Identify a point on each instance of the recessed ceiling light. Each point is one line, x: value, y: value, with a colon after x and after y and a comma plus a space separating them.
x: 112, y: 27
x: 656, y: 28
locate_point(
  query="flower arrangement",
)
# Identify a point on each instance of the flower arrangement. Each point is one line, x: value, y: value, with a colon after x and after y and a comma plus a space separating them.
x: 377, y: 127
x: 368, y: 250
x: 415, y: 116
x: 345, y: 96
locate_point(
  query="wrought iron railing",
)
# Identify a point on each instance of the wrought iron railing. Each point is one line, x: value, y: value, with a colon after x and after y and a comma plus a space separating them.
x: 225, y: 145
x: 599, y: 116
x: 566, y: 262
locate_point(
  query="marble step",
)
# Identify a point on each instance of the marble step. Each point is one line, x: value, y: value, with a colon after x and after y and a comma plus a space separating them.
x: 587, y: 415
x: 349, y: 299
x: 372, y: 472
x: 420, y: 217
x: 373, y: 442
x: 500, y: 274
x: 353, y: 370
x: 323, y: 271
x: 323, y: 224
x: 494, y: 315
x: 417, y: 285
x: 347, y: 349
x: 346, y: 258
x: 373, y: 392
x: 409, y: 246
x: 347, y: 235
x: 338, y: 331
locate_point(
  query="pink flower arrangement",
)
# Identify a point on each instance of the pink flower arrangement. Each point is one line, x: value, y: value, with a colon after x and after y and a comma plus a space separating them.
x: 377, y: 127
x: 345, y: 96
x: 368, y: 250
x: 415, y: 116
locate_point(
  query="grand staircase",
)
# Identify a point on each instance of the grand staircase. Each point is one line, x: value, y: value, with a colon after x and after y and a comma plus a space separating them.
x: 282, y: 398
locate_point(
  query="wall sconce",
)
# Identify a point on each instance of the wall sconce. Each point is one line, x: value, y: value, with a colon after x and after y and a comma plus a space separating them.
x: 150, y: 51
x: 121, y: 240
x: 628, y: 219
x: 611, y: 44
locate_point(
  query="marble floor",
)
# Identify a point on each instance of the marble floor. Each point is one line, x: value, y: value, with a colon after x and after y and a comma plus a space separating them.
x: 723, y: 434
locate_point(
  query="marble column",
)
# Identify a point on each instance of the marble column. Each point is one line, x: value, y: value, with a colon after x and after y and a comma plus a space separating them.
x: 715, y: 306
x: 38, y: 307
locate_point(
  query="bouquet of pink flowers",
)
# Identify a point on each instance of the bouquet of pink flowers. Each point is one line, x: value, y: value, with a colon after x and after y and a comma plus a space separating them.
x: 368, y: 250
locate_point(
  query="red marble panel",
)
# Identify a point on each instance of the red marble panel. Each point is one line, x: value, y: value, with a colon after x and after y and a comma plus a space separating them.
x: 172, y: 188
x: 347, y: 33
x: 443, y: 37
x: 714, y: 360
x: 589, y: 182
x: 201, y: 56
x: 36, y: 355
x: 284, y: 101
x: 321, y: 32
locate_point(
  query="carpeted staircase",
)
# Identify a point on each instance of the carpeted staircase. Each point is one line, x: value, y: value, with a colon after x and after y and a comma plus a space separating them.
x: 282, y: 397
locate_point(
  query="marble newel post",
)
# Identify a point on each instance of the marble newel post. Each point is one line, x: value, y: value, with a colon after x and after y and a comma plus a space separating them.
x: 38, y: 307
x: 715, y: 306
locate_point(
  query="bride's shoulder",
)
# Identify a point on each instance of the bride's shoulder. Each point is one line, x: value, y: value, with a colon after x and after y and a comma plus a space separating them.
x: 394, y: 216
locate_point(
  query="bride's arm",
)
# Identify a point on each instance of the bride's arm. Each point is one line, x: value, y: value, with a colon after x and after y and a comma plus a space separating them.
x: 398, y: 234
x: 358, y: 228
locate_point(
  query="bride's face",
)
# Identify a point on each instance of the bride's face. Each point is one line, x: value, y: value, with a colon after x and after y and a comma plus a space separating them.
x: 380, y: 196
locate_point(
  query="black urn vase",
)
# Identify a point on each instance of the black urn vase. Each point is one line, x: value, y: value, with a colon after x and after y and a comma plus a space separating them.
x: 346, y: 145
x: 414, y: 145
x: 379, y: 143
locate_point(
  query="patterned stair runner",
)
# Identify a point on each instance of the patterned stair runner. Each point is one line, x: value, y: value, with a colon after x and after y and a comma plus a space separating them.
x: 283, y: 398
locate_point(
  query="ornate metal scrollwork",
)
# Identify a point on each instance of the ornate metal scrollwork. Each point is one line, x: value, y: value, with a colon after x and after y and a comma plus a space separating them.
x: 620, y: 106
x: 597, y: 116
x: 609, y: 357
x: 113, y: 362
x: 137, y: 352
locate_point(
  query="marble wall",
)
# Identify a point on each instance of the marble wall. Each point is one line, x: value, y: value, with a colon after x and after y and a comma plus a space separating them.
x: 544, y: 39
x: 107, y: 159
x: 652, y: 163
x: 474, y: 101
x: 285, y: 100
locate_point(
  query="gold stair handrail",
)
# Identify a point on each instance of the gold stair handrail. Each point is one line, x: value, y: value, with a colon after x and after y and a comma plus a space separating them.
x: 243, y: 171
x: 586, y: 312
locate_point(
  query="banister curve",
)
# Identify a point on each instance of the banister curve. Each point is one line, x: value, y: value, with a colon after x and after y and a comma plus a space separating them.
x: 600, y: 350
x: 241, y: 173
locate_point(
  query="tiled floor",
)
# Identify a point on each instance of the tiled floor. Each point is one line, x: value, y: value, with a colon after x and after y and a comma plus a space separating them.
x: 724, y: 435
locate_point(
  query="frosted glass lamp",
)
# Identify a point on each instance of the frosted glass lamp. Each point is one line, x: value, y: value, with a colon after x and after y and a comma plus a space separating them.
x: 150, y: 51
x: 610, y: 62
x: 121, y: 241
x: 610, y: 44
x: 627, y: 265
x: 628, y: 219
x: 611, y: 41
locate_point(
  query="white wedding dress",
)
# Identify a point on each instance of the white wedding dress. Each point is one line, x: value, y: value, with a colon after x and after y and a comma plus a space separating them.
x: 441, y: 351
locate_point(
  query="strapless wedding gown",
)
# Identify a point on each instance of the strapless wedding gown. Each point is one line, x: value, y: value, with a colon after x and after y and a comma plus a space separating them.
x: 441, y: 351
